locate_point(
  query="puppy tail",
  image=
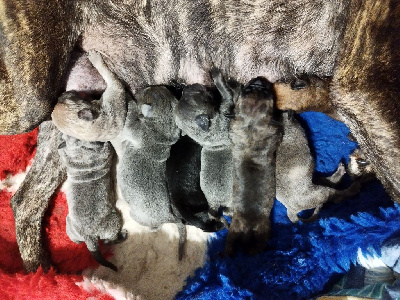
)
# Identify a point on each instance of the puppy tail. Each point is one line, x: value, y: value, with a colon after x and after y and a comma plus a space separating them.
x: 94, y: 248
x: 182, y: 239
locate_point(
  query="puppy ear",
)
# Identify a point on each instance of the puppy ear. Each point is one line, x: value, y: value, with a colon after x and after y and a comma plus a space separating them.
x: 147, y: 110
x: 86, y: 114
x: 62, y: 145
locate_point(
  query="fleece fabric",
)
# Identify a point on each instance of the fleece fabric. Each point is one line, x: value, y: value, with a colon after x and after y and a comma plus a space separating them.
x: 303, y: 259
x: 69, y: 259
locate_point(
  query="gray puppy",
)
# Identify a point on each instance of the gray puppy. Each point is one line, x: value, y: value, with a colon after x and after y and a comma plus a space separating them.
x: 200, y: 116
x: 295, y: 185
x: 92, y: 215
x: 143, y: 148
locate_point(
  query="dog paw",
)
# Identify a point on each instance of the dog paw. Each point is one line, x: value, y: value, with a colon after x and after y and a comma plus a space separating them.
x: 247, y: 233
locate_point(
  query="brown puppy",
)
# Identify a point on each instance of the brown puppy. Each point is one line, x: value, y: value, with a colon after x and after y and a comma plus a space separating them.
x: 304, y: 94
x: 255, y: 133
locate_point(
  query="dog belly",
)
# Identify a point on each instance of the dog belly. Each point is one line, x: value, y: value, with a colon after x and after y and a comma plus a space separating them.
x: 82, y: 76
x: 182, y: 40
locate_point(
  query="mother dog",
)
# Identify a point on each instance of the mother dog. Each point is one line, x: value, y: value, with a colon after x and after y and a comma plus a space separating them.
x: 153, y: 42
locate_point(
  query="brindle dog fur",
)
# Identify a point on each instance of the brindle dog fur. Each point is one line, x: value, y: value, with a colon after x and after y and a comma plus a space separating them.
x: 356, y: 42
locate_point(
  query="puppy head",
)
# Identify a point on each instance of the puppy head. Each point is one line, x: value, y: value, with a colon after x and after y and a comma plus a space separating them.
x: 196, y: 108
x: 73, y: 112
x: 256, y: 98
x: 156, y: 113
x: 197, y: 115
x: 256, y: 117
x: 155, y: 102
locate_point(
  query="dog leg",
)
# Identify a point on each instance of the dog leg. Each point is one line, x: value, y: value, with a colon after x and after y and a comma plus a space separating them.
x: 366, y: 86
x: 37, y: 39
x: 31, y: 200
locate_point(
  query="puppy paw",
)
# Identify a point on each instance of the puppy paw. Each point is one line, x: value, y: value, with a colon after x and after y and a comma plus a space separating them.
x: 95, y: 58
x: 215, y: 74
x: 121, y: 237
x: 247, y: 233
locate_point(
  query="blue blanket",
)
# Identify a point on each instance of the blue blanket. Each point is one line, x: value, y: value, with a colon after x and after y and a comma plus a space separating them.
x: 304, y: 259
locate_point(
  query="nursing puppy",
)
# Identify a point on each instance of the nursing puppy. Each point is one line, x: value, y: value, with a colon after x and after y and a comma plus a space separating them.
x: 200, y: 116
x: 89, y: 119
x: 255, y: 133
x: 143, y: 148
x: 90, y: 192
x: 147, y: 137
x: 295, y: 184
x: 188, y: 201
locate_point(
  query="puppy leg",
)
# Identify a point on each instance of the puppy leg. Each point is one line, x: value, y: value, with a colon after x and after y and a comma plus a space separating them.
x: 113, y: 101
x: 114, y: 85
x: 94, y: 248
x: 182, y: 240
x: 331, y: 181
x: 31, y: 200
x: 225, y: 91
